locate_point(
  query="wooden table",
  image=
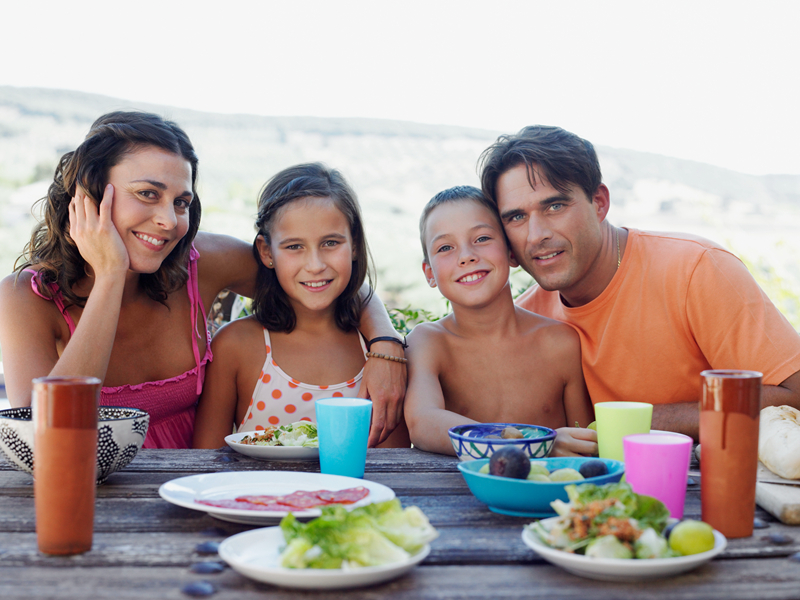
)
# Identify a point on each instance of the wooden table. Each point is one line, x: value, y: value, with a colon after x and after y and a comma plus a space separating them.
x: 144, y: 546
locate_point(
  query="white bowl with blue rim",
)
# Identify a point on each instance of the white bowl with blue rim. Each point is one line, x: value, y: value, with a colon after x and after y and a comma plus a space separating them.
x: 481, y: 440
x: 526, y: 498
x: 120, y: 435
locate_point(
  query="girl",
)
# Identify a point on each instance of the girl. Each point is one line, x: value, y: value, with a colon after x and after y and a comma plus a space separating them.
x: 301, y: 343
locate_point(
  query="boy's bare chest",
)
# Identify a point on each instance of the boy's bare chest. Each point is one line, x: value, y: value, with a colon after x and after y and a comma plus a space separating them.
x: 512, y: 385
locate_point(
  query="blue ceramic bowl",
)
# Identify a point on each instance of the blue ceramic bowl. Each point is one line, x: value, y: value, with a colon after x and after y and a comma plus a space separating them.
x: 471, y: 442
x: 523, y: 498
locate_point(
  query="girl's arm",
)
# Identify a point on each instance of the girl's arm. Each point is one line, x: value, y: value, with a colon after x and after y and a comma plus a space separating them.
x: 216, y: 411
x: 426, y: 416
x: 574, y: 441
x: 384, y: 381
x: 28, y: 333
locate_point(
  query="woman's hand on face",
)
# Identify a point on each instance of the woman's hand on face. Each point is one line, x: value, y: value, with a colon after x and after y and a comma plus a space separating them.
x: 96, y: 235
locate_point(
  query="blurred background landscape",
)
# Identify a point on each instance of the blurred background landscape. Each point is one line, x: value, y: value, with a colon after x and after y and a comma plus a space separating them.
x: 395, y: 167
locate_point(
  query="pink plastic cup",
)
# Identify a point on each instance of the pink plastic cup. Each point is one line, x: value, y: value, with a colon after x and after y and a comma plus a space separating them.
x: 657, y: 465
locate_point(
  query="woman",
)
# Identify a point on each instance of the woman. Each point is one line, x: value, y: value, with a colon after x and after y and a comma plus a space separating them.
x: 119, y: 289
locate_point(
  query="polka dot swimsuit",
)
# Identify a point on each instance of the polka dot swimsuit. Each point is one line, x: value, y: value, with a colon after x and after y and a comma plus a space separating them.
x: 278, y: 399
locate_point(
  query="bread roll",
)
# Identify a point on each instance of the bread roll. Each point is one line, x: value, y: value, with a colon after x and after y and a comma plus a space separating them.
x: 779, y: 440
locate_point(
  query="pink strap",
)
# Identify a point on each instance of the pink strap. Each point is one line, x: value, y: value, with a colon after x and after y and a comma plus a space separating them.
x: 195, y: 301
x: 58, y: 298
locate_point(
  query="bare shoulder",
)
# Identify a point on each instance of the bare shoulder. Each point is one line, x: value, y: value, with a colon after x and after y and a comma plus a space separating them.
x: 17, y: 298
x: 548, y: 332
x: 239, y: 335
x: 428, y: 335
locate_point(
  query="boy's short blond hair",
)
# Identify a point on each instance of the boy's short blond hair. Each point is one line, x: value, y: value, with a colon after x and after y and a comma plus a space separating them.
x: 458, y: 193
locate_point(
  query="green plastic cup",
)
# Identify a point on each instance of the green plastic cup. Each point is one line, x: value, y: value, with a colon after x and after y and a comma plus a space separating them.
x: 615, y: 420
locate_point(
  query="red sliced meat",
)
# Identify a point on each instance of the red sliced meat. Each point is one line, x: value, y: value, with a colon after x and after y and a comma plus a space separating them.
x: 348, y: 496
x: 228, y: 503
x: 299, y: 500
x: 258, y: 499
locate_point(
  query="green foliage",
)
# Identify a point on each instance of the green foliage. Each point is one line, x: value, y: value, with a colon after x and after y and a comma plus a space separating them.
x: 404, y: 319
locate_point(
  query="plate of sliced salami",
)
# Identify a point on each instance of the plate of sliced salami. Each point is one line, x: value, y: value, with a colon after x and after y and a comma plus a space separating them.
x: 254, y: 498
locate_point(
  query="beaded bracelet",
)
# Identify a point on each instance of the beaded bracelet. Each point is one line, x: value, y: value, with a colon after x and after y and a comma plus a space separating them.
x: 387, y: 357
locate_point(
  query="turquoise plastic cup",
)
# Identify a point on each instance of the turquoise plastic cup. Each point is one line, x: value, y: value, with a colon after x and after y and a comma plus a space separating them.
x: 343, y: 432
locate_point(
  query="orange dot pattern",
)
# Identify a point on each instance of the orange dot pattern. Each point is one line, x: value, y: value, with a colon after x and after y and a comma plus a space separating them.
x: 279, y: 399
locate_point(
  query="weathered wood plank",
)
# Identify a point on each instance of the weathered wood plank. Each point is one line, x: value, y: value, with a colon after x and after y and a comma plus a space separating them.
x: 399, y: 460
x: 718, y: 580
x: 502, y: 545
x: 128, y: 484
x: 469, y: 534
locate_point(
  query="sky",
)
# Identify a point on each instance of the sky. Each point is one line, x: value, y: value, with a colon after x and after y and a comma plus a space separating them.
x: 715, y: 82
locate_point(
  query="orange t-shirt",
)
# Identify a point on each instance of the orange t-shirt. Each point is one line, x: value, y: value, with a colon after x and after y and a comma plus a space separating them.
x: 678, y: 304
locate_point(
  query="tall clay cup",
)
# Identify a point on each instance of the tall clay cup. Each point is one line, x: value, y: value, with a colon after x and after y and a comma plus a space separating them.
x: 729, y: 409
x: 65, y: 462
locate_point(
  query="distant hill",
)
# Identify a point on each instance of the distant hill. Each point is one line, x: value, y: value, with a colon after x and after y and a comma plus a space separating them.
x: 396, y: 167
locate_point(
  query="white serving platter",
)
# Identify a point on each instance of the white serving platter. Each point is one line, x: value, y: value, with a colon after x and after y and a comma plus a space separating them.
x: 186, y: 491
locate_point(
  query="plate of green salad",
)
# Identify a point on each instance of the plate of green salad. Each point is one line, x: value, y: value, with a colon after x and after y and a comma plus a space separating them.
x: 340, y: 549
x: 296, y: 441
x: 613, y: 534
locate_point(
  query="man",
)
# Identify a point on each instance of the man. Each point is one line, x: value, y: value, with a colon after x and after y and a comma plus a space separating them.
x: 652, y: 310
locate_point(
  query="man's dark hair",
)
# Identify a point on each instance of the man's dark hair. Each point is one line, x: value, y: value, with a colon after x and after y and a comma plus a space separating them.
x: 454, y: 194
x: 560, y: 157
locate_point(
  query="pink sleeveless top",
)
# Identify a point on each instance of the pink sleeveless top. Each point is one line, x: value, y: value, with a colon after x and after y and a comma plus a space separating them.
x: 171, y: 402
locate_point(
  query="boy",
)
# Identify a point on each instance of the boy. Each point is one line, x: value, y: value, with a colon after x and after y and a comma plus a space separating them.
x: 474, y: 365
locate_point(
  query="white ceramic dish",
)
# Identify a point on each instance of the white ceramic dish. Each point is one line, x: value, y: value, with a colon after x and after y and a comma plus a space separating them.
x: 618, y: 569
x: 254, y: 554
x: 270, y: 452
x: 186, y: 491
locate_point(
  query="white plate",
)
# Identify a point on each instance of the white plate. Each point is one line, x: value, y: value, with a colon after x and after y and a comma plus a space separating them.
x: 270, y: 452
x: 255, y: 553
x: 185, y: 492
x: 620, y: 569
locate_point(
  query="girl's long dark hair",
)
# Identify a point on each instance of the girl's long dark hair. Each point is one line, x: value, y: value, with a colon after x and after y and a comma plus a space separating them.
x: 312, y: 180
x: 112, y: 137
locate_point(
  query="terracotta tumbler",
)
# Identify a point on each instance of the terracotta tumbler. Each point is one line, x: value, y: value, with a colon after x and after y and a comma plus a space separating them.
x: 65, y: 462
x: 729, y: 409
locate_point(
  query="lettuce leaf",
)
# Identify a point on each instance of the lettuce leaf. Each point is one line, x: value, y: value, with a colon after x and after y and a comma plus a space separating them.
x: 371, y: 535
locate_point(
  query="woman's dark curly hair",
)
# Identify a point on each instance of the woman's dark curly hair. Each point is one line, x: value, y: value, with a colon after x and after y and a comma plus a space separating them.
x: 112, y: 137
x: 313, y: 180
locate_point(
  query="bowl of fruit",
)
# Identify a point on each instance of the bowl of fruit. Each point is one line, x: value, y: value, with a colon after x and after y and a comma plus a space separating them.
x: 480, y: 440
x: 510, y: 483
